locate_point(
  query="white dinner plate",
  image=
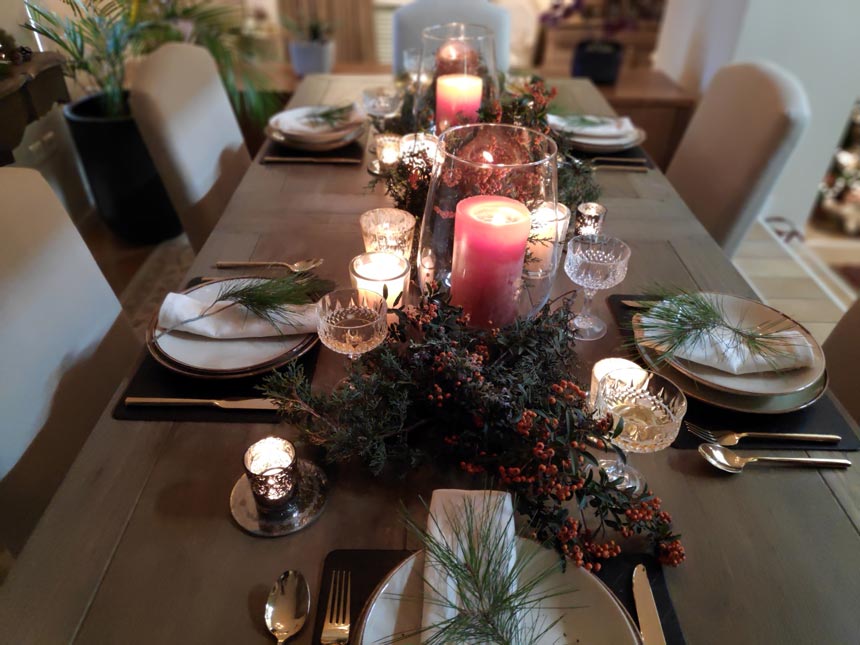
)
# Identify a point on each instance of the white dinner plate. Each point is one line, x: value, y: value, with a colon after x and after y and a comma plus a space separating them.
x: 299, y: 144
x: 589, y: 612
x: 295, y: 123
x: 192, y: 354
x: 751, y: 313
x: 608, y: 146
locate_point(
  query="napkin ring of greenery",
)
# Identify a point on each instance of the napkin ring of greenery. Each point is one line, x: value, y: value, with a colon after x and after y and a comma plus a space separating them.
x: 496, y: 404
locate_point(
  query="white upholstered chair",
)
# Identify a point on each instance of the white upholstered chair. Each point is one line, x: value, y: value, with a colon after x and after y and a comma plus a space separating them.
x: 191, y: 132
x: 65, y: 347
x: 411, y: 19
x: 842, y: 349
x: 738, y: 141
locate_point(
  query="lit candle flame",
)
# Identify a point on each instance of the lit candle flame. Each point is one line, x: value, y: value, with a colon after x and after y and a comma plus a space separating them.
x: 488, y: 156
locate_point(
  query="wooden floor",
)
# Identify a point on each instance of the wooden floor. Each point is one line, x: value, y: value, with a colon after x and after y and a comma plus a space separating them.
x: 791, y: 278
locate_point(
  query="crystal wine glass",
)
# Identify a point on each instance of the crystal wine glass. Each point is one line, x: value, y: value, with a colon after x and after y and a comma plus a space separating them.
x: 594, y: 262
x: 651, y: 408
x: 352, y: 321
x: 381, y: 103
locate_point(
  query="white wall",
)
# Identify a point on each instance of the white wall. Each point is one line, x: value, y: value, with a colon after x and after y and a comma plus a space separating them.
x: 820, y: 43
x: 817, y: 41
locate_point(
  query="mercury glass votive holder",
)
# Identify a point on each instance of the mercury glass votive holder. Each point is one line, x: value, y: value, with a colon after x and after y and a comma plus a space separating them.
x: 387, y: 149
x: 589, y: 218
x: 421, y: 142
x: 389, y: 230
x: 270, y: 465
x: 386, y: 274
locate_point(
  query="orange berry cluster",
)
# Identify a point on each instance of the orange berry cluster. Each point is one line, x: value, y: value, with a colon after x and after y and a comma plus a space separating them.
x: 671, y: 553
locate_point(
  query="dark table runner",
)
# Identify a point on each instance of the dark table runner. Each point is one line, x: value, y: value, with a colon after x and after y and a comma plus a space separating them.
x: 153, y: 379
x: 368, y: 567
x: 824, y: 416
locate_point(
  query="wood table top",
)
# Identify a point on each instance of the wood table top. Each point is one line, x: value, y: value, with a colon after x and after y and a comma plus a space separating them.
x: 138, y: 545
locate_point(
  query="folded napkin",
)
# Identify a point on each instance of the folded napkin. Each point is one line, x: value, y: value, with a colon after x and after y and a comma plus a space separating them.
x: 721, y: 350
x: 597, y: 127
x: 231, y: 321
x: 299, y: 122
x: 446, y: 510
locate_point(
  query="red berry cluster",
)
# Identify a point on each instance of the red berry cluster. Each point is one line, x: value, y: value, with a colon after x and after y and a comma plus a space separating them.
x: 671, y: 553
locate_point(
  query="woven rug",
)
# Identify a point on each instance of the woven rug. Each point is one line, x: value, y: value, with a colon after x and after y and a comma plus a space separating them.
x: 161, y: 273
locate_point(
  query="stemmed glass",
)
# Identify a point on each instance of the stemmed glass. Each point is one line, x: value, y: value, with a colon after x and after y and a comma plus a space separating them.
x: 651, y: 407
x: 352, y: 321
x: 594, y: 262
x: 381, y: 103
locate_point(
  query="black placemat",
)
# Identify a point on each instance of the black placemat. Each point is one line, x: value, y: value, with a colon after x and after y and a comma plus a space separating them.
x: 369, y: 566
x: 275, y: 152
x: 367, y: 569
x: 617, y: 573
x: 824, y: 416
x: 154, y: 380
x: 636, y: 152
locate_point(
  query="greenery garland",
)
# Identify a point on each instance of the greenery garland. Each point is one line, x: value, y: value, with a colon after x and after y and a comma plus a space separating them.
x: 496, y: 403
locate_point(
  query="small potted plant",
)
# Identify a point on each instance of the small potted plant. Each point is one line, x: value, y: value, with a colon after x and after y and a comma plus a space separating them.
x: 311, y: 47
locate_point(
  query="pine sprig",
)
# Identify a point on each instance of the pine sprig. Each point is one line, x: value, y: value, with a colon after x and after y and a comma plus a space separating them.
x: 681, y: 319
x: 495, y: 597
x: 331, y: 117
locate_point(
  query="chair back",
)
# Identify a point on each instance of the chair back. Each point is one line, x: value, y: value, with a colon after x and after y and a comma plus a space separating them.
x: 842, y: 350
x: 65, y: 347
x: 738, y: 141
x: 191, y: 132
x: 411, y: 19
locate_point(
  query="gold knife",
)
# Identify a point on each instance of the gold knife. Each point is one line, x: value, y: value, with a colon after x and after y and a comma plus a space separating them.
x: 224, y: 404
x: 646, y: 608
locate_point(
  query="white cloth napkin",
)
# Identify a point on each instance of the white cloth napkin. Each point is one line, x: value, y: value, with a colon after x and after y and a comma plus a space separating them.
x: 231, y: 322
x: 299, y: 122
x: 446, y: 506
x: 721, y: 350
x: 597, y: 127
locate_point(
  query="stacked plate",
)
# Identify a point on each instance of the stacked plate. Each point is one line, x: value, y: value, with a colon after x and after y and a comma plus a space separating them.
x: 597, y: 134
x: 203, y: 357
x: 768, y: 392
x: 301, y: 128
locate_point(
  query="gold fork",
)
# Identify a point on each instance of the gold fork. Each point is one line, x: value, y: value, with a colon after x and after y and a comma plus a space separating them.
x: 336, y: 626
x: 728, y: 438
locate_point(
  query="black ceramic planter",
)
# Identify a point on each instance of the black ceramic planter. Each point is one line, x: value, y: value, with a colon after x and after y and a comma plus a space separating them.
x: 128, y: 191
x: 599, y: 60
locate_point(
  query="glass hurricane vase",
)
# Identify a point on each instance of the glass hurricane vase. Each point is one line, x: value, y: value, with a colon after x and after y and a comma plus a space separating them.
x: 489, y: 234
x: 456, y: 75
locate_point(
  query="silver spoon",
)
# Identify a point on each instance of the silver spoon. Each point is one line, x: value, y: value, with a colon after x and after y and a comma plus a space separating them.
x: 288, y: 605
x: 732, y: 462
x: 296, y: 267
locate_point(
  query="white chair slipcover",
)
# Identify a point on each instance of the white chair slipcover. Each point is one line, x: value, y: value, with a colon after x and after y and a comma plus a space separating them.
x: 738, y: 141
x: 185, y: 117
x: 411, y: 19
x: 65, y: 347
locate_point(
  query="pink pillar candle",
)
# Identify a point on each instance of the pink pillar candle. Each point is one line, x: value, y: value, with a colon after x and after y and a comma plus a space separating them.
x: 490, y: 235
x: 458, y: 98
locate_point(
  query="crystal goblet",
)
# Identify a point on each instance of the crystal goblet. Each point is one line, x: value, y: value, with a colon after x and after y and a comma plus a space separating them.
x: 380, y: 103
x: 594, y: 262
x: 651, y: 409
x: 352, y: 321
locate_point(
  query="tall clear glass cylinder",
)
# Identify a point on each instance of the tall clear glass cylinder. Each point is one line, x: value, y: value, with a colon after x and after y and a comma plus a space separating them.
x: 456, y: 76
x: 489, y: 237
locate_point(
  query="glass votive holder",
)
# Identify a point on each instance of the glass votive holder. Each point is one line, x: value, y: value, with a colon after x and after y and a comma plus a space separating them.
x: 384, y: 273
x: 602, y: 368
x: 387, y: 149
x: 546, y: 239
x: 589, y: 218
x: 389, y: 230
x: 270, y: 465
x: 413, y: 144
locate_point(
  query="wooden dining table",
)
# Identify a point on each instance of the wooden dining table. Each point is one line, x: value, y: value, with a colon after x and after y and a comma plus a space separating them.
x: 138, y: 545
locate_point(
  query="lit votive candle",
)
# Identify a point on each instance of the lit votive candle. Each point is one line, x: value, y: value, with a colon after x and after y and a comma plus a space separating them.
x: 549, y: 224
x: 387, y: 149
x: 589, y: 218
x: 390, y: 230
x: 602, y: 368
x: 458, y: 98
x: 411, y: 144
x: 384, y: 273
x: 490, y: 235
x: 270, y: 465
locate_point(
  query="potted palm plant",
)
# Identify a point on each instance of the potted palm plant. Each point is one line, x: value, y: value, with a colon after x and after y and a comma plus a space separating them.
x: 311, y: 47
x: 98, y: 39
